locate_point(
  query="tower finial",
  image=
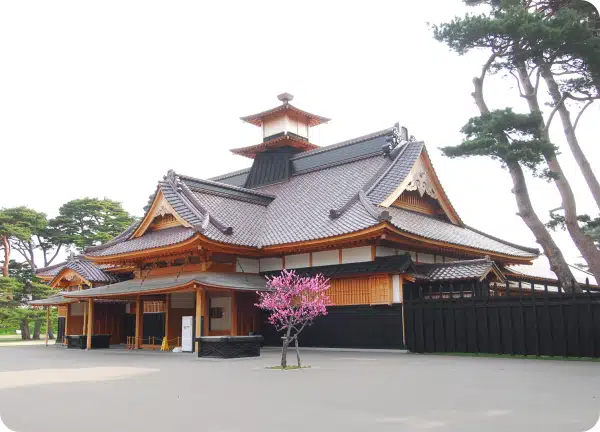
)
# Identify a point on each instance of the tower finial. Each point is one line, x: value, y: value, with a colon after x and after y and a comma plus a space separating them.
x: 285, y: 97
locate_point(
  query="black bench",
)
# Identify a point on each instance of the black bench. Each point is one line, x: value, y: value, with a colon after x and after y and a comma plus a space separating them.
x: 229, y: 346
x: 80, y: 341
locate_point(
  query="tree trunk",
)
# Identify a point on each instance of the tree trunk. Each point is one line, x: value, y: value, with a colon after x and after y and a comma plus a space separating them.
x: 37, y: 327
x: 6, y: 247
x: 565, y: 117
x: 297, y: 352
x: 50, y: 333
x: 24, y: 326
x: 584, y: 242
x: 557, y: 261
x: 284, y: 349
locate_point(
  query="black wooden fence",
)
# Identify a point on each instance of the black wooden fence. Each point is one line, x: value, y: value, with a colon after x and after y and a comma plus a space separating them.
x: 513, y: 318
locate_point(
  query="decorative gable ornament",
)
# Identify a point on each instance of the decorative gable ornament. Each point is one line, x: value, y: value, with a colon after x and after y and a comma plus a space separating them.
x: 419, y: 181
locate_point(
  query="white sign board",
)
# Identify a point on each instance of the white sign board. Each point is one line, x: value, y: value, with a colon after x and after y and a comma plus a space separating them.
x: 187, y: 334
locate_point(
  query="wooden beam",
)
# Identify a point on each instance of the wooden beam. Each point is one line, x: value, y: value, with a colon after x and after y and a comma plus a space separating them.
x: 47, y: 323
x: 234, y: 313
x: 138, y: 321
x: 90, y: 323
x: 373, y: 252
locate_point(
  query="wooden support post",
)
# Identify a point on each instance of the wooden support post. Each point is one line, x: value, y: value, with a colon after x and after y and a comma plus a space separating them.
x: 90, y: 330
x: 234, y: 317
x: 199, y: 309
x: 138, y: 321
x: 67, y: 321
x: 167, y: 316
x: 47, y: 323
x: 85, y: 308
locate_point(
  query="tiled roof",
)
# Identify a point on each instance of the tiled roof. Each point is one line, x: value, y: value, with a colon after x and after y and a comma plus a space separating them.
x: 391, y: 264
x: 349, y: 178
x: 55, y: 300
x: 50, y: 271
x: 457, y: 270
x: 90, y: 271
x: 256, y: 119
x: 395, y: 174
x: 238, y: 281
x: 151, y: 240
x: 436, y: 229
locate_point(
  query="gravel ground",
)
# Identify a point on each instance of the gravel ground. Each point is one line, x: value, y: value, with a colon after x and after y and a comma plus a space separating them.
x: 101, y: 390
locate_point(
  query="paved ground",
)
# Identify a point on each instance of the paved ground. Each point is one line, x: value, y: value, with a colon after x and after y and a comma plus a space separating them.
x: 52, y: 389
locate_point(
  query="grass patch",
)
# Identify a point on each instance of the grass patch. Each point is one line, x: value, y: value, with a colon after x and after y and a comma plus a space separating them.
x: 291, y: 367
x: 520, y: 357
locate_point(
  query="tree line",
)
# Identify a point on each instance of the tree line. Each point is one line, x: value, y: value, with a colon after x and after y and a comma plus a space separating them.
x: 30, y: 240
x: 551, y: 45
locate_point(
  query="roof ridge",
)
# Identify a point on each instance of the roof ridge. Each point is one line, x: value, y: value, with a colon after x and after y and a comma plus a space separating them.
x: 229, y: 175
x: 485, y: 260
x: 343, y: 143
x: 525, y: 248
x: 401, y: 150
x: 225, y: 185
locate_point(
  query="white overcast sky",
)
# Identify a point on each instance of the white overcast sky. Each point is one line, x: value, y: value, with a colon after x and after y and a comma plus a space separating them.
x: 100, y: 99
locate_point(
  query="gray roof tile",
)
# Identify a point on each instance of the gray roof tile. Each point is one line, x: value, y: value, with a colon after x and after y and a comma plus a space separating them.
x: 436, y: 229
x: 150, y: 240
x: 458, y: 270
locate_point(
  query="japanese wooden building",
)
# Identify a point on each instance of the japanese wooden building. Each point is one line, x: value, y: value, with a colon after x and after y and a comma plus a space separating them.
x: 369, y: 213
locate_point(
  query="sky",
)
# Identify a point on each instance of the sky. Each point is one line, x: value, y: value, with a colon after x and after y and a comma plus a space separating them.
x: 101, y: 99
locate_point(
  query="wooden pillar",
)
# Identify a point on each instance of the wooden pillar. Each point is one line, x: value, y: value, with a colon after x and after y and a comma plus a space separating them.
x: 67, y: 319
x: 234, y: 317
x: 167, y: 316
x: 138, y: 321
x: 199, y: 310
x: 85, y: 308
x: 90, y: 323
x: 47, y: 323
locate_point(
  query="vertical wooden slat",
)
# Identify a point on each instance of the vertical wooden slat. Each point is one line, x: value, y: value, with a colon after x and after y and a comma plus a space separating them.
x: 85, y: 308
x: 575, y: 311
x: 475, y: 323
x: 524, y: 331
x: 443, y: 317
x: 498, y: 320
x: 431, y: 307
x: 453, y: 318
x: 465, y: 317
x: 591, y: 317
x: 563, y: 322
x: 488, y: 345
x: 535, y: 320
x: 550, y: 322
x: 510, y: 323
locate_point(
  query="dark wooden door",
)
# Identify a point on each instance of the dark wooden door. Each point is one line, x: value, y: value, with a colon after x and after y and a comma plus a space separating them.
x: 60, y: 334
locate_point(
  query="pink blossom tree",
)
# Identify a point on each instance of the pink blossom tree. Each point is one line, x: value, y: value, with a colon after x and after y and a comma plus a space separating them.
x: 294, y: 302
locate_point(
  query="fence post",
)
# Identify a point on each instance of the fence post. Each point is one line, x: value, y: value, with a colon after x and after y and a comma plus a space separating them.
x: 535, y: 319
x: 465, y: 316
x: 523, y: 326
x: 475, y: 326
x: 422, y: 327
x: 453, y: 315
x: 488, y: 345
x: 563, y: 322
x: 431, y: 307
x: 510, y: 322
x: 443, y: 319
x: 575, y: 310
x: 498, y: 321
x: 591, y: 315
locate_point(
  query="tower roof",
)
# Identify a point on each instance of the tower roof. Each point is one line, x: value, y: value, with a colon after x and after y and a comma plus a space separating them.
x: 285, y: 98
